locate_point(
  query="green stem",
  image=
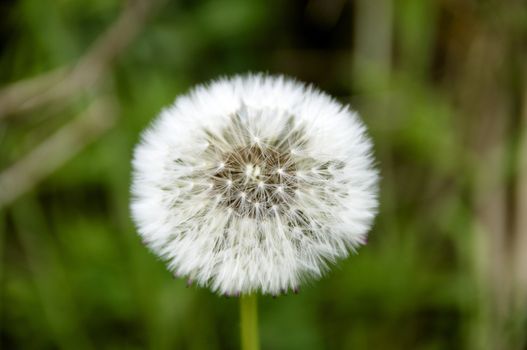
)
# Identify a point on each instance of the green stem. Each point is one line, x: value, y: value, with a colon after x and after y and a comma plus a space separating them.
x: 249, y: 322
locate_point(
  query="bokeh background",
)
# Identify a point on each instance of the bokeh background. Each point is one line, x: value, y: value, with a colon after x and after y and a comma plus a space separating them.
x: 441, y: 84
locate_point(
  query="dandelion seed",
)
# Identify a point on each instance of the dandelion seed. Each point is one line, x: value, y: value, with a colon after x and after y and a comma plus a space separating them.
x: 253, y: 213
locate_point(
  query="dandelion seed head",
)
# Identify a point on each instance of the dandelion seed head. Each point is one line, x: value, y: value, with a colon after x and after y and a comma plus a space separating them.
x: 254, y: 183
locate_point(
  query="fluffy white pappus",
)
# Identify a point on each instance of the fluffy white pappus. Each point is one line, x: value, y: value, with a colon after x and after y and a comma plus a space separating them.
x: 254, y: 184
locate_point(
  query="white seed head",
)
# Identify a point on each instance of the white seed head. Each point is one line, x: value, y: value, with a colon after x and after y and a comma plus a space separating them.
x: 254, y: 183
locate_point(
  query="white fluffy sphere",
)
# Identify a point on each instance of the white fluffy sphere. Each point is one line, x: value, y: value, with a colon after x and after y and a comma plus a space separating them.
x: 254, y: 183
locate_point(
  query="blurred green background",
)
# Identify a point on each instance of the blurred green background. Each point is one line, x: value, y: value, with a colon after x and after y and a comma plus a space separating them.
x: 441, y: 84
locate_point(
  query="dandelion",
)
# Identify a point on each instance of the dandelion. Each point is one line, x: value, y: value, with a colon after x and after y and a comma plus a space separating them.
x: 254, y: 184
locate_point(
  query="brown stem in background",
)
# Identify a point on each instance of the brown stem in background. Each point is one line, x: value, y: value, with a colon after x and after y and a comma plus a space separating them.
x: 56, y: 150
x: 66, y: 81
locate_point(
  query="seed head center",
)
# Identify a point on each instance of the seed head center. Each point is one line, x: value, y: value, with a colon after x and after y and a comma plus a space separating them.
x: 255, y: 179
x: 252, y: 172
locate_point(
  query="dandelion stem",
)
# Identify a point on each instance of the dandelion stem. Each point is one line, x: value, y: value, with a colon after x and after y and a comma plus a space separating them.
x: 249, y: 322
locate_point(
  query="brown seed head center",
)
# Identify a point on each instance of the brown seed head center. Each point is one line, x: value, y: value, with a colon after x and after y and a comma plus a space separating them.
x: 255, y: 180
